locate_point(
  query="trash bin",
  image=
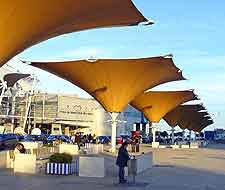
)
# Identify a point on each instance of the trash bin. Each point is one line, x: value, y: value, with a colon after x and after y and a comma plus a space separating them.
x: 132, y: 167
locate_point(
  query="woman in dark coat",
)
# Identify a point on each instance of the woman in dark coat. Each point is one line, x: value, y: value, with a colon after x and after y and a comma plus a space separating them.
x: 122, y: 160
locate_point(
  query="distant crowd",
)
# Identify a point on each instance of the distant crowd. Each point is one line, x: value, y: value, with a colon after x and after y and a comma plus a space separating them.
x: 83, y: 140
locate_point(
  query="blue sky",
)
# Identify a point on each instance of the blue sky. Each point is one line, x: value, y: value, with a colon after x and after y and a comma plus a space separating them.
x: 193, y: 31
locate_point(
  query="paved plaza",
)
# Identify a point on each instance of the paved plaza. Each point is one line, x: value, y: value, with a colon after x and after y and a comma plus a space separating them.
x: 158, y: 178
x: 192, y: 172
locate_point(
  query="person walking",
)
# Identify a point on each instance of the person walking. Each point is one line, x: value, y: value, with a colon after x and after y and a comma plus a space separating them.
x: 122, y: 160
x: 90, y: 139
x: 77, y: 140
x: 73, y: 139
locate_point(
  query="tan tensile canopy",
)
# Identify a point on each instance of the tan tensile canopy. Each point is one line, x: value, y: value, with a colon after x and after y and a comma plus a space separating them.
x: 206, y: 124
x: 195, y: 124
x: 188, y: 117
x: 24, y: 23
x: 156, y: 104
x: 174, y: 116
x: 12, y: 78
x: 115, y: 82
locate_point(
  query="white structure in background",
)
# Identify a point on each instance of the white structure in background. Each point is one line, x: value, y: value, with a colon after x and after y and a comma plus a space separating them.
x: 154, y: 129
x: 90, y: 117
x: 87, y: 115
x: 36, y: 131
x: 21, y: 88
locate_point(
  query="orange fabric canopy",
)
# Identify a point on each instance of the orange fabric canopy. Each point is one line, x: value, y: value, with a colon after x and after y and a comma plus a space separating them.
x: 115, y: 82
x: 24, y: 23
x: 196, y: 124
x: 12, y: 78
x: 156, y: 104
x: 174, y: 116
x: 188, y: 117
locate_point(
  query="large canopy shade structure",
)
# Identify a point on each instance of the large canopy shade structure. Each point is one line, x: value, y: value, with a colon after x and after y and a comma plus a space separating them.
x: 115, y: 82
x: 12, y: 78
x: 193, y: 121
x: 156, y: 104
x: 192, y: 118
x: 188, y: 117
x: 206, y: 124
x: 27, y: 22
x: 196, y: 124
x: 174, y: 116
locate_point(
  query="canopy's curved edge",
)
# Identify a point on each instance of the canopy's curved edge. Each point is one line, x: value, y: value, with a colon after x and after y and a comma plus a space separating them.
x: 144, y: 19
x: 91, y: 60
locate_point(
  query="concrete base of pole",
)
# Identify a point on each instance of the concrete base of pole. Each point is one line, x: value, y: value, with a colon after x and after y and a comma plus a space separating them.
x: 154, y: 143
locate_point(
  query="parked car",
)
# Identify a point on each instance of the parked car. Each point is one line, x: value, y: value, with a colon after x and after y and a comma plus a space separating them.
x: 146, y: 140
x: 34, y: 138
x: 8, y: 141
x: 103, y: 139
x: 63, y: 138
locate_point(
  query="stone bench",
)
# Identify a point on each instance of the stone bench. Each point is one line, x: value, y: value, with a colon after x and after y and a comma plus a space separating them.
x: 91, y: 166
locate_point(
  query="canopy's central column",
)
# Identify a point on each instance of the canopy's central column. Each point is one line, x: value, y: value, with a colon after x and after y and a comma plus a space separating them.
x: 183, y: 135
x: 3, y: 87
x: 114, y: 116
x: 13, y: 113
x: 190, y: 136
x: 172, y: 134
x: 154, y: 143
x: 153, y: 132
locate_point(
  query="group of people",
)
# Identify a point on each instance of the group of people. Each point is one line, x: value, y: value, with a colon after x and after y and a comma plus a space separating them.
x: 122, y: 158
x: 84, y: 140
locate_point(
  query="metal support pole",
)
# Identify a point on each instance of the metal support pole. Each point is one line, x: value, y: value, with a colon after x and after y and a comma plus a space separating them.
x: 190, y: 135
x: 4, y: 86
x: 195, y: 137
x: 183, y: 135
x: 43, y: 108
x: 13, y: 113
x: 114, y: 116
x: 154, y: 127
x: 29, y: 103
x: 7, y: 107
x: 172, y: 135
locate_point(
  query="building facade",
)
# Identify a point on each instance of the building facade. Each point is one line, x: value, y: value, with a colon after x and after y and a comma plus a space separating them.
x: 66, y: 114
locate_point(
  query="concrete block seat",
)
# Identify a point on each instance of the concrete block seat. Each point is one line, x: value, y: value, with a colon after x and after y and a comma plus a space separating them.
x: 185, y: 146
x: 69, y: 149
x: 175, y: 146
x: 155, y: 144
x: 25, y: 163
x: 95, y: 149
x: 91, y: 166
